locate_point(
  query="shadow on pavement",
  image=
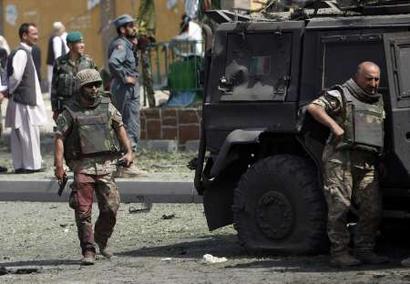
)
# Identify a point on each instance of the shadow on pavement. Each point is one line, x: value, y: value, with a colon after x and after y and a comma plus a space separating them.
x: 317, y: 264
x: 219, y: 245
x: 228, y: 246
x: 47, y: 262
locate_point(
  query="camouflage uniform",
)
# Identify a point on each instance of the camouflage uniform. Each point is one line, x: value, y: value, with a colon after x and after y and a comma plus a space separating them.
x: 350, y: 181
x: 63, y: 80
x: 92, y: 173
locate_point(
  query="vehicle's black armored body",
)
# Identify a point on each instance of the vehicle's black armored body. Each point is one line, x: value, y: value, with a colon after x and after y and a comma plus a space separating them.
x: 259, y: 160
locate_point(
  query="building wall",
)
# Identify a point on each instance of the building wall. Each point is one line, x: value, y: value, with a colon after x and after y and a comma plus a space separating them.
x: 77, y: 15
x: 242, y: 4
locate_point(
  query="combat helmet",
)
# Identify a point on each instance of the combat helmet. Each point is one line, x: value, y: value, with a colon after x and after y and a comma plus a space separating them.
x: 87, y: 76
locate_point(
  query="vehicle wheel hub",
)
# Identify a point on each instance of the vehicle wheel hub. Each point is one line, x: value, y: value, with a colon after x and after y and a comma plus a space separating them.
x: 275, y: 215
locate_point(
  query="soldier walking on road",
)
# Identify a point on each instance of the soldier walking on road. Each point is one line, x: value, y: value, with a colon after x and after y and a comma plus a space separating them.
x: 65, y: 69
x: 87, y: 135
x: 123, y: 62
x: 354, y: 114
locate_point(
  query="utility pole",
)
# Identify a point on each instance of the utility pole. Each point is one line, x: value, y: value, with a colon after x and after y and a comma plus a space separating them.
x: 107, y: 14
x: 2, y: 18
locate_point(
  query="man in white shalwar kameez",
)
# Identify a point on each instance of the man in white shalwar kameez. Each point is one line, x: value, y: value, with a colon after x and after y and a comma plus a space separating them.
x: 26, y: 111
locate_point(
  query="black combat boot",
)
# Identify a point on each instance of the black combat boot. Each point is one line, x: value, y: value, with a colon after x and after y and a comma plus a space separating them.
x: 344, y: 259
x: 369, y: 257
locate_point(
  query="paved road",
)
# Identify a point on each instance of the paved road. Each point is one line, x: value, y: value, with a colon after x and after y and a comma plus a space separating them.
x: 164, y: 245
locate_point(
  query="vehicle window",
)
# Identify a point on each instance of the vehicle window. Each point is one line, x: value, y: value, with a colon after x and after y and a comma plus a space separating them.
x: 402, y: 53
x: 340, y: 60
x: 257, y: 67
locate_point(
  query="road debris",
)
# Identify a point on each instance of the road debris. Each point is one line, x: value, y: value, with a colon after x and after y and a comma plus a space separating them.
x: 210, y: 259
x: 168, y: 217
x: 143, y: 207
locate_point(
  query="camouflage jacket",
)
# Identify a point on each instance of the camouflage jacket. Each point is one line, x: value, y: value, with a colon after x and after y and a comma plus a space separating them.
x: 63, y: 81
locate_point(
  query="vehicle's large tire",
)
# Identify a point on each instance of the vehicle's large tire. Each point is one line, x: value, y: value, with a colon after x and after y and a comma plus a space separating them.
x: 279, y: 207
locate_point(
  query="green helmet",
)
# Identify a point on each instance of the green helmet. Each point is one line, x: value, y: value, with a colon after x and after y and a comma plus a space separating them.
x: 88, y: 76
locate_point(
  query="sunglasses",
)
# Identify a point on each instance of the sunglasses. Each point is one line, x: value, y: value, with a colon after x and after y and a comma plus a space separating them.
x: 92, y: 84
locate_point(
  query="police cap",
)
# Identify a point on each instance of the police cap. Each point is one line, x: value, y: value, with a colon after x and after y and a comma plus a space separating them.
x: 122, y: 20
x: 86, y: 76
x: 74, y: 37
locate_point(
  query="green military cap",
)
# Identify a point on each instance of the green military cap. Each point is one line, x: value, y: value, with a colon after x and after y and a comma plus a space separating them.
x: 74, y: 37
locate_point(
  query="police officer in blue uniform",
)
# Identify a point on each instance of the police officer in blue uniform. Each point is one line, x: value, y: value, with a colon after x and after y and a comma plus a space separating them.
x: 123, y: 63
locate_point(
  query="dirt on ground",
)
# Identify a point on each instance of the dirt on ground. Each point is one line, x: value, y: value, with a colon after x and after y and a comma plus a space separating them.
x: 38, y: 244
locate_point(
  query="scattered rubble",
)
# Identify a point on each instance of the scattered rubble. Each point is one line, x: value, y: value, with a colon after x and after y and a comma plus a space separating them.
x: 210, y: 259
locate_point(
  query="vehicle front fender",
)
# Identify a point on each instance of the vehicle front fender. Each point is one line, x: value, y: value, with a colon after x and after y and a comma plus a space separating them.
x: 236, y: 137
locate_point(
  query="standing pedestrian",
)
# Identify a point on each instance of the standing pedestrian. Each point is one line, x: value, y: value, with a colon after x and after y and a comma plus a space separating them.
x: 86, y: 135
x: 123, y: 63
x: 57, y: 46
x: 25, y: 111
x: 65, y: 69
x: 354, y: 114
x: 3, y: 92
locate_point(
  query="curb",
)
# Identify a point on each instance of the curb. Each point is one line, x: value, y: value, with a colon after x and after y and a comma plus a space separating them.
x: 45, y: 190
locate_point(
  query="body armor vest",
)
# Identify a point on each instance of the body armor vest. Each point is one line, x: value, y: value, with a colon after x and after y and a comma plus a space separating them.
x: 66, y: 83
x: 92, y: 134
x: 362, y: 123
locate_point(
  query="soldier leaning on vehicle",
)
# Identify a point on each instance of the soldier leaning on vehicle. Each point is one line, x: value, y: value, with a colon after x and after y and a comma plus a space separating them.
x: 87, y: 135
x: 65, y: 69
x: 354, y: 114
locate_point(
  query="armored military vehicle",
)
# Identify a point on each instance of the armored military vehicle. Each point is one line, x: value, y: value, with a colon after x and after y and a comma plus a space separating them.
x: 259, y: 163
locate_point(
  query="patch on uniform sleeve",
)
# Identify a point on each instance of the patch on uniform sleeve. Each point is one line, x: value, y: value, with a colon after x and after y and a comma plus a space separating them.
x: 62, y: 124
x: 332, y: 101
x: 119, y: 47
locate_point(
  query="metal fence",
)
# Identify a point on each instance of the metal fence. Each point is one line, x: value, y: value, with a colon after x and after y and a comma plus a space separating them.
x: 175, y: 65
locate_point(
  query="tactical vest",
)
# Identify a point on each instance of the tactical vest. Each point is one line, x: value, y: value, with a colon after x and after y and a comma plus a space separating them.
x: 362, y: 123
x: 92, y: 134
x: 66, y: 83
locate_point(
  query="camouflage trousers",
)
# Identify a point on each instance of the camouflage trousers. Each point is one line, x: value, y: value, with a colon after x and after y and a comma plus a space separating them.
x: 351, y: 183
x: 81, y: 200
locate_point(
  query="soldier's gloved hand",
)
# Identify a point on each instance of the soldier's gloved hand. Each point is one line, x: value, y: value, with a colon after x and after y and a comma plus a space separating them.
x: 59, y: 172
x: 127, y: 160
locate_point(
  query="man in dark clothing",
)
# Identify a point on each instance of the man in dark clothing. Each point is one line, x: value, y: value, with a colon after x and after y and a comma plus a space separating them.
x: 57, y: 46
x: 123, y: 63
